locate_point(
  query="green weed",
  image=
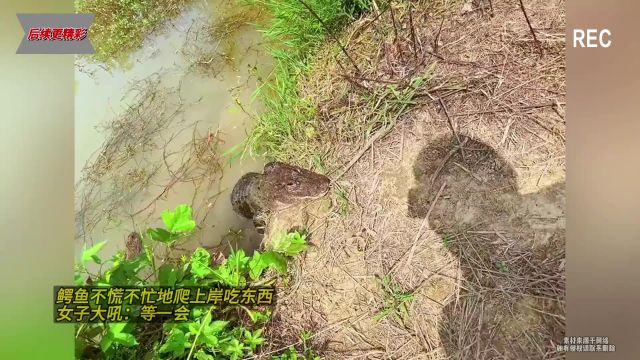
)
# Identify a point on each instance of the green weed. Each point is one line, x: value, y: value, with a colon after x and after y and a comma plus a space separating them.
x: 395, y: 301
x: 502, y: 266
x: 446, y: 241
x: 342, y: 200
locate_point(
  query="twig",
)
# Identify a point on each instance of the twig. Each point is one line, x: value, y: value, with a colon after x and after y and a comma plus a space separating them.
x: 493, y: 111
x: 453, y: 129
x: 413, y: 33
x: 362, y: 78
x: 393, y: 20
x: 456, y: 62
x: 468, y: 172
x: 425, y: 221
x: 535, y: 38
x: 370, y: 23
x: 437, y: 38
x: 444, y: 162
x: 435, y: 200
x: 353, y: 80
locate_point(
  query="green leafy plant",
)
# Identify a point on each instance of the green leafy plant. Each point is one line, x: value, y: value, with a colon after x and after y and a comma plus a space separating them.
x: 211, y: 333
x: 395, y: 301
x: 291, y: 243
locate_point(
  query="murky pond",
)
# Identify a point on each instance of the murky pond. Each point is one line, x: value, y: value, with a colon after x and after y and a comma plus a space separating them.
x: 151, y: 136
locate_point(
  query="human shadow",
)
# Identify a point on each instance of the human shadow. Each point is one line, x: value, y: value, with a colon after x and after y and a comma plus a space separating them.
x: 510, y: 249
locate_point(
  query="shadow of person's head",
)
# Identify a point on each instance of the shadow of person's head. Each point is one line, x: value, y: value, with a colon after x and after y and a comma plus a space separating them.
x: 469, y: 195
x: 460, y: 185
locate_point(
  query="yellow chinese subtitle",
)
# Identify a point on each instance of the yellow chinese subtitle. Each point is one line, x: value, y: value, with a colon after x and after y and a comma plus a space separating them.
x: 149, y: 303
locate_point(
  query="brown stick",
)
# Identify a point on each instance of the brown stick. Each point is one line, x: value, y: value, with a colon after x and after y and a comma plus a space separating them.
x: 524, y: 108
x: 413, y: 33
x: 437, y: 39
x: 425, y: 221
x: 393, y: 19
x: 535, y: 38
x: 453, y: 129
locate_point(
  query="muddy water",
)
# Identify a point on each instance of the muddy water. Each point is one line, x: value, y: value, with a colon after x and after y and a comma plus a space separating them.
x: 208, y: 103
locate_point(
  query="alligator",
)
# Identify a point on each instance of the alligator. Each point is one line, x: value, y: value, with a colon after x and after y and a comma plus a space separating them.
x: 280, y: 186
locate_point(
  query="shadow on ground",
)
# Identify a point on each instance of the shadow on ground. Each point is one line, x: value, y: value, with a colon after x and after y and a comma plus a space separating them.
x: 509, y: 303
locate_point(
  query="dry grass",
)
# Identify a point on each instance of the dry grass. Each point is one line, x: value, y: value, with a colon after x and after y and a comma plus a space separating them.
x: 232, y: 17
x: 483, y: 72
x: 476, y: 234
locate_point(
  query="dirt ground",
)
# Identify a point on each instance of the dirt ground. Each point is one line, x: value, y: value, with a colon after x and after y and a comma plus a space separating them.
x: 445, y: 240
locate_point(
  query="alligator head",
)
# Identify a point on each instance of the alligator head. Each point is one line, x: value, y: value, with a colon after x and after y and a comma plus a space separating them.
x: 280, y: 186
x: 289, y: 184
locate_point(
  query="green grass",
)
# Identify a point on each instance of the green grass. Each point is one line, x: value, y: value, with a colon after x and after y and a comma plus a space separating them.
x: 120, y: 26
x: 446, y: 241
x: 294, y: 34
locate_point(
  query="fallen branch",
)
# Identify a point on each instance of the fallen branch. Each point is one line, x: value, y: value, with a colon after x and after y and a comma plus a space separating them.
x: 535, y: 38
x: 523, y: 108
x: 453, y: 129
